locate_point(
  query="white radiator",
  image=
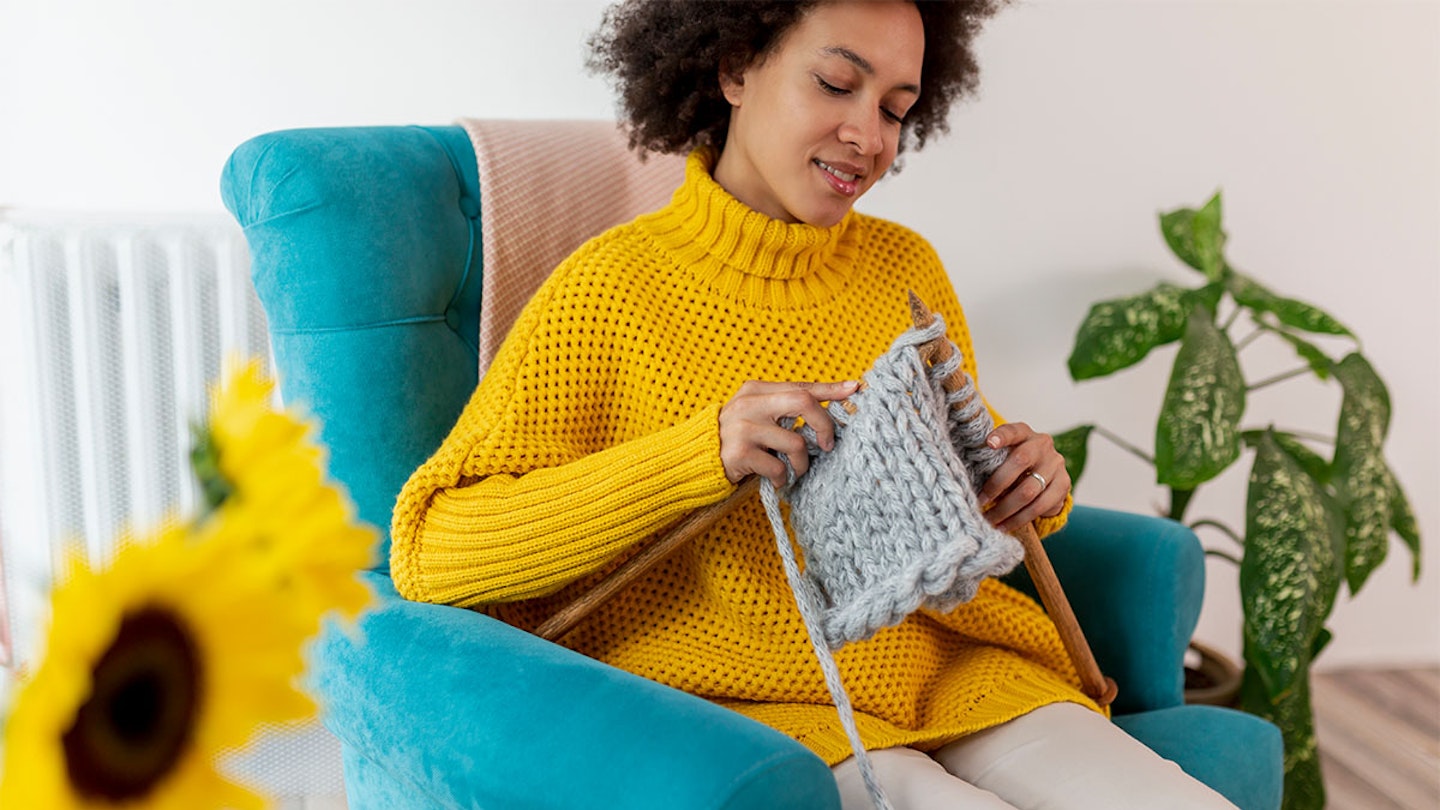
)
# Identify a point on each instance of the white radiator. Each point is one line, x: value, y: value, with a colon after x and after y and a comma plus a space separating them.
x: 110, y: 333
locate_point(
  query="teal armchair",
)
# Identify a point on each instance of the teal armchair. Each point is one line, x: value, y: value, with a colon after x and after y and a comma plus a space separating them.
x: 365, y: 247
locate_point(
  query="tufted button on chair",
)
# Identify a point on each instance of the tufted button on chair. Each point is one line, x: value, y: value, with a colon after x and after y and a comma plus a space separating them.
x: 369, y: 255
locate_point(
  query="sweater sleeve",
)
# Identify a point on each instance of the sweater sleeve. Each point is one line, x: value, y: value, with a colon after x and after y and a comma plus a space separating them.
x: 523, y: 498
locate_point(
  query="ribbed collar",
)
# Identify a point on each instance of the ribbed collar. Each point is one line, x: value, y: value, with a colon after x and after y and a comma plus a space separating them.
x: 746, y: 255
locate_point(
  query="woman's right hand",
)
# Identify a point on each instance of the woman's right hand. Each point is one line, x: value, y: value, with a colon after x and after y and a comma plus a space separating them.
x: 751, y: 434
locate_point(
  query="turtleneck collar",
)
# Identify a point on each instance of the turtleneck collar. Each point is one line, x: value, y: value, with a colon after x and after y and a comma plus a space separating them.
x: 745, y: 254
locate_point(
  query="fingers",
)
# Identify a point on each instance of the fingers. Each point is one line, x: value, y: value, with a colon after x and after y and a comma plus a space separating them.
x: 1014, y: 436
x: 750, y: 433
x: 1032, y: 482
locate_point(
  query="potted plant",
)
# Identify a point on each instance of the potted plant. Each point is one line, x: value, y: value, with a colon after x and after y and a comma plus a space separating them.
x: 1319, y: 510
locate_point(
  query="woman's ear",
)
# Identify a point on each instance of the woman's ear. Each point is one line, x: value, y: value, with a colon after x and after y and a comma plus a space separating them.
x: 732, y: 83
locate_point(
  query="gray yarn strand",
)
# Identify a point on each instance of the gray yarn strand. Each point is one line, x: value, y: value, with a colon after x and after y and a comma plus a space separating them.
x: 888, y: 521
x: 810, y: 607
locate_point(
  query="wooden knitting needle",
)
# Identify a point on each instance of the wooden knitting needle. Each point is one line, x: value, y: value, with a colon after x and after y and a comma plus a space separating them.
x: 1100, y: 688
x: 691, y: 525
x: 1041, y: 572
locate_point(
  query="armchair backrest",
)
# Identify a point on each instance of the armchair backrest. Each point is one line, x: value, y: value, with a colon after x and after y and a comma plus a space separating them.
x: 368, y: 255
x: 362, y: 252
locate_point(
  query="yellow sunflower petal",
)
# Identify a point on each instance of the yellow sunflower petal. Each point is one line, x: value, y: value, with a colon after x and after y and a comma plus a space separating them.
x: 244, y: 637
x: 215, y: 614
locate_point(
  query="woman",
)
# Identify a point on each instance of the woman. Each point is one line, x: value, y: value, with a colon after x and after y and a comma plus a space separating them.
x: 648, y: 376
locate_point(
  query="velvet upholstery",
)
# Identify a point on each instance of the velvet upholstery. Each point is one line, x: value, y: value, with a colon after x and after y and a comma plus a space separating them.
x: 366, y: 255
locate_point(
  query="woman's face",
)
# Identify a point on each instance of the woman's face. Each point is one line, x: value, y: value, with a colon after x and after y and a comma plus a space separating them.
x: 817, y: 121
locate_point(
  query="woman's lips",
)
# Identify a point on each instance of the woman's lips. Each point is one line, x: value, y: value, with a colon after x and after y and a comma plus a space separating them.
x: 846, y: 185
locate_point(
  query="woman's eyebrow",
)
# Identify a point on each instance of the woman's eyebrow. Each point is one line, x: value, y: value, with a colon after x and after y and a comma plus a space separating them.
x: 864, y: 64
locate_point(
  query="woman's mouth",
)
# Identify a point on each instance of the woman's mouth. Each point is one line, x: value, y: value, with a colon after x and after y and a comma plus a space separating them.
x: 843, y: 182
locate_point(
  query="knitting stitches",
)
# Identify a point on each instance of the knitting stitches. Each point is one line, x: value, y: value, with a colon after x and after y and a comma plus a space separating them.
x: 888, y: 521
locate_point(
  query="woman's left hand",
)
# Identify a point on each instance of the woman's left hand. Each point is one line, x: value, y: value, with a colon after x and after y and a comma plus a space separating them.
x: 1031, y: 483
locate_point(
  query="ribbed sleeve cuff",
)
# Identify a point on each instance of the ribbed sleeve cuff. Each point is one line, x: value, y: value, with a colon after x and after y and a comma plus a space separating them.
x: 1046, y: 526
x: 505, y: 538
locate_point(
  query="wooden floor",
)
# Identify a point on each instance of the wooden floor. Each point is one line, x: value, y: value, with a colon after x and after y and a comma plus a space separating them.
x: 1379, y: 733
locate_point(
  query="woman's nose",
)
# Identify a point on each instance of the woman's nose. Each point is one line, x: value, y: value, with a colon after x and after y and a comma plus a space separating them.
x: 864, y: 131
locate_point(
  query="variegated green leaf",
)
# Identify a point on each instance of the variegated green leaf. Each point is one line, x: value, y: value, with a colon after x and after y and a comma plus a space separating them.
x: 1291, y: 312
x: 1073, y: 444
x: 1402, y: 520
x: 1198, y: 433
x: 1322, y: 472
x: 1319, y: 361
x: 1292, y: 712
x: 1119, y: 333
x: 1207, y: 296
x: 1311, y: 462
x: 1288, y: 576
x: 1321, y: 642
x: 1196, y: 237
x: 1362, y: 478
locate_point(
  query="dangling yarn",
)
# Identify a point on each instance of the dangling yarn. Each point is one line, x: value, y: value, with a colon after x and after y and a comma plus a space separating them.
x: 888, y: 521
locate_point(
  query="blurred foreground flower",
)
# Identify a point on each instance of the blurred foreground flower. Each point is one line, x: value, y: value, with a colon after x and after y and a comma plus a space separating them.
x: 192, y: 638
x: 261, y: 472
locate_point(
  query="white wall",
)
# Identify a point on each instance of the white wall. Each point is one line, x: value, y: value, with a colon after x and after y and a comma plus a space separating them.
x: 1320, y: 121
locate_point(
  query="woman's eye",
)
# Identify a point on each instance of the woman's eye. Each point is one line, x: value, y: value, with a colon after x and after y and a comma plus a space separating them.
x: 840, y: 91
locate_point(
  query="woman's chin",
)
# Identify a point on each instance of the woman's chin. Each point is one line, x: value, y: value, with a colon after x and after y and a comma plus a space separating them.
x: 826, y: 217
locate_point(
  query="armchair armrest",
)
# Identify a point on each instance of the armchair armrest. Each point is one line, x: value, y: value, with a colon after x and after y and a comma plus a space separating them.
x: 471, y: 712
x: 1136, y: 583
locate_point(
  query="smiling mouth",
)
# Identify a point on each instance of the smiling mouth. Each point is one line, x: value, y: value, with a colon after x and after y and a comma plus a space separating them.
x: 846, y: 176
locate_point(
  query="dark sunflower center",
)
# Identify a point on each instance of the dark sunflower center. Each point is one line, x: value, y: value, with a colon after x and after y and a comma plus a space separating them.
x: 141, y: 711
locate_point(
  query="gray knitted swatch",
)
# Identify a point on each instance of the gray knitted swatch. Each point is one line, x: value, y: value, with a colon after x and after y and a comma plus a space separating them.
x: 888, y: 521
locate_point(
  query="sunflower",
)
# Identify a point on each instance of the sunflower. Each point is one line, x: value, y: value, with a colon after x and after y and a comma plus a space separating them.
x: 192, y: 638
x: 261, y: 470
x: 152, y: 668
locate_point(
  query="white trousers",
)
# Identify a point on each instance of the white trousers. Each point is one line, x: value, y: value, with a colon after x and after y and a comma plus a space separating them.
x: 1058, y: 757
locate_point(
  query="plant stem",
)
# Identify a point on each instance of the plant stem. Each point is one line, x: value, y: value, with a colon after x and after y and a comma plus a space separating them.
x: 1210, y: 552
x: 1225, y: 530
x: 1314, y: 437
x: 1248, y: 339
x: 1235, y: 313
x: 1179, y: 499
x: 1127, y: 446
x: 1278, y: 378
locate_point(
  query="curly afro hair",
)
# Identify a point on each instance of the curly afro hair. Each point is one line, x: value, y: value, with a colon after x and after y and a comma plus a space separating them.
x: 664, y: 58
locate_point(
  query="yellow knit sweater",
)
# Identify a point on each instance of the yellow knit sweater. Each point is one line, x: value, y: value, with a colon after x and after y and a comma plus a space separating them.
x: 597, y: 427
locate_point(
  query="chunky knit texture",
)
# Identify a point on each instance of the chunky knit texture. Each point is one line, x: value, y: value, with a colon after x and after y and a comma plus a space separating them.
x: 597, y: 427
x: 888, y: 521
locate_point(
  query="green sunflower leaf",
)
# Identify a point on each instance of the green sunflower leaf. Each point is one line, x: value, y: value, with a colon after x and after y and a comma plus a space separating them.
x: 1198, y: 433
x: 1073, y: 444
x: 1291, y: 312
x: 1197, y: 238
x: 1119, y: 333
x: 1289, y: 576
x: 1362, y: 478
x: 215, y: 488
